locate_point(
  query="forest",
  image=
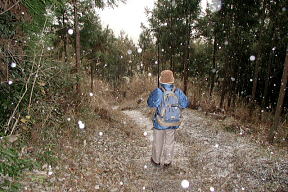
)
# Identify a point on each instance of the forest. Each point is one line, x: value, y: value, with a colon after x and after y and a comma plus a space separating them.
x: 70, y: 89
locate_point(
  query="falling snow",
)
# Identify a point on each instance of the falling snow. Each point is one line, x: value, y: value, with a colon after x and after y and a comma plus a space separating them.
x: 70, y: 31
x: 185, y: 184
x: 252, y: 58
x: 81, y: 124
x: 13, y: 65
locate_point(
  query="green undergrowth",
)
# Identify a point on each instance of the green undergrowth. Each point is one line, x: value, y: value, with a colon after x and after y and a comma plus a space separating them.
x: 12, y: 164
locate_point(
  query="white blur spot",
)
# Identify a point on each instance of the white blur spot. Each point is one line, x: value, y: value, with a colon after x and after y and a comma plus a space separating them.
x: 243, y: 188
x: 262, y: 111
x: 48, y: 48
x: 145, y: 133
x: 213, y: 70
x: 284, y: 9
x: 272, y: 153
x: 105, y: 65
x: 10, y: 82
x: 156, y: 62
x: 81, y: 125
x: 232, y: 79
x: 143, y: 188
x: 215, y: 5
x: 100, y: 133
x: 252, y: 58
x: 13, y: 65
x: 91, y: 94
x: 121, y: 183
x: 273, y: 49
x: 68, y: 119
x: 22, y: 13
x: 129, y: 52
x: 70, y: 31
x: 226, y: 42
x: 251, y: 80
x: 145, y: 166
x: 216, y: 146
x: 212, y: 189
x: 139, y: 50
x: 162, y: 50
x: 121, y: 57
x: 185, y: 183
x: 50, y: 172
x: 149, y: 74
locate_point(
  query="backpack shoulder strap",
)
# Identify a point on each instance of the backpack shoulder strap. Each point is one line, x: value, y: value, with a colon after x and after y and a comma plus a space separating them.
x: 174, y: 89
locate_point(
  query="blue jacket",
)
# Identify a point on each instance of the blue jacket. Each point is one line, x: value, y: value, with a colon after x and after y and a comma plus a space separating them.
x: 156, y: 96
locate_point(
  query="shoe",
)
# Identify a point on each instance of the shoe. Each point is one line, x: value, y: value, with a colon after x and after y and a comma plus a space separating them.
x: 154, y: 163
x: 167, y: 165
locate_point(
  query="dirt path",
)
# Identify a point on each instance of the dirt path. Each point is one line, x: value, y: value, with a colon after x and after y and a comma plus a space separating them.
x: 211, y: 160
x: 112, y: 156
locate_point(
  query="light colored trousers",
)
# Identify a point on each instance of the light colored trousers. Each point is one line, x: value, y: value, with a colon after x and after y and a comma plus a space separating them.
x: 163, y: 140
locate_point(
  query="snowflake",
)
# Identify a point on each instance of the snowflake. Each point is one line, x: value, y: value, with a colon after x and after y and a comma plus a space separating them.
x: 252, y: 58
x: 185, y: 183
x: 13, y: 65
x: 70, y: 31
x: 81, y: 124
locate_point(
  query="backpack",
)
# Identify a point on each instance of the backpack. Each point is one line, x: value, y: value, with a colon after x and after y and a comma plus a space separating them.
x: 169, y: 112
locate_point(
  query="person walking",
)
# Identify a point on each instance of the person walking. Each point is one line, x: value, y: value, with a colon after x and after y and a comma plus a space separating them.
x: 169, y: 102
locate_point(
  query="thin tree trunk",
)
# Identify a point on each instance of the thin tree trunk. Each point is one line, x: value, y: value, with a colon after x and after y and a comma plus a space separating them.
x: 65, y: 39
x: 186, y: 57
x: 92, y: 77
x: 266, y: 85
x: 223, y: 93
x: 77, y: 45
x: 214, y: 67
x: 280, y: 101
x: 258, y: 60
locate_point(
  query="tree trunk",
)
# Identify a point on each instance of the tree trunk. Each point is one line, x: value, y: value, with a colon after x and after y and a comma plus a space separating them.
x: 92, y: 77
x: 186, y: 57
x: 258, y: 59
x: 214, y: 67
x: 77, y: 45
x: 280, y: 101
x: 266, y: 85
x: 65, y: 38
x: 223, y: 93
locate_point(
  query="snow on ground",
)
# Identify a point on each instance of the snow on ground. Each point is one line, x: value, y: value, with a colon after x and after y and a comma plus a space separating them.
x: 210, y: 158
x: 206, y: 158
